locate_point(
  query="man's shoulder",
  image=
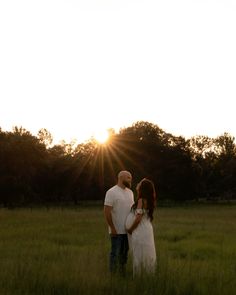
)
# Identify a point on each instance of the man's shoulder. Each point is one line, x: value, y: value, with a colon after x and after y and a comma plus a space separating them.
x: 111, y: 190
x: 110, y: 196
x: 114, y: 187
x: 129, y: 191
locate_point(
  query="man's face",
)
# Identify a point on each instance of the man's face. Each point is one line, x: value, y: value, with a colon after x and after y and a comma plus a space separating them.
x: 127, y: 179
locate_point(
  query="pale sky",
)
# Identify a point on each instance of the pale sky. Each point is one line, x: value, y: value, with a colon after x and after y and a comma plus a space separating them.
x: 79, y: 67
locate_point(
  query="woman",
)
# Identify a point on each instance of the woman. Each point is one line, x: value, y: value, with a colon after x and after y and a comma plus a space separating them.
x: 140, y: 230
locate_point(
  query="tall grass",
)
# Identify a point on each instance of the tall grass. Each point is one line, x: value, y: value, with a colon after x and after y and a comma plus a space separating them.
x: 66, y: 252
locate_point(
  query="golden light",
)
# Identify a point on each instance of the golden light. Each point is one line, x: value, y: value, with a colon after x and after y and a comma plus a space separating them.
x: 102, y: 136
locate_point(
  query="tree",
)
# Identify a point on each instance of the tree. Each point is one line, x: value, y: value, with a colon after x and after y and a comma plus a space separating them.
x: 45, y: 137
x: 21, y: 156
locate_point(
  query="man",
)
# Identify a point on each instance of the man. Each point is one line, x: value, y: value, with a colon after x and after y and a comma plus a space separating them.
x: 117, y: 205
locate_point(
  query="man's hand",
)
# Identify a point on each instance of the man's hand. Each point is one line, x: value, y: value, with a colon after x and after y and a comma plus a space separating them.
x: 108, y: 216
x: 113, y: 232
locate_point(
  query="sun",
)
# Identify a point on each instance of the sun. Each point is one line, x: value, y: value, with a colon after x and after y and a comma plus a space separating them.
x: 101, y: 136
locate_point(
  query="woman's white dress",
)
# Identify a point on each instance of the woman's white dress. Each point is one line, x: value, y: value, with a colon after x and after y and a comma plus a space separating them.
x: 141, y: 243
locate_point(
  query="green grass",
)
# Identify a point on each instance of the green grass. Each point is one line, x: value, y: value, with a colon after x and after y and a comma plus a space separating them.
x: 66, y: 252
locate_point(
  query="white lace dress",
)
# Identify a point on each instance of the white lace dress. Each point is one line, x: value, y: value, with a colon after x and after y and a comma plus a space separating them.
x: 141, y: 243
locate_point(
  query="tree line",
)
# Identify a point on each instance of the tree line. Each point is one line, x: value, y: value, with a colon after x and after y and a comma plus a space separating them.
x: 33, y: 171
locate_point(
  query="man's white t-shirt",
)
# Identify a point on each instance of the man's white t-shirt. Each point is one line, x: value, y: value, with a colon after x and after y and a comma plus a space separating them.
x: 121, y: 201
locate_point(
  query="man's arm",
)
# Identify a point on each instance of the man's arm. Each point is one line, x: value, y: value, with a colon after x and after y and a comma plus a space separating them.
x: 107, y: 213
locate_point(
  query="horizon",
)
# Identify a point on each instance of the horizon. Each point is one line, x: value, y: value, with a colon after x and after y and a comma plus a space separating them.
x: 104, y: 136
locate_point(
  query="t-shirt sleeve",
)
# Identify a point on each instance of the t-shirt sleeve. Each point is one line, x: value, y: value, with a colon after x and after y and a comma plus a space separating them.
x: 108, y: 199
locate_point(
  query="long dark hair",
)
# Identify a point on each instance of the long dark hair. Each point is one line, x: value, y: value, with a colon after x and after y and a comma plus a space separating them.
x: 146, y: 191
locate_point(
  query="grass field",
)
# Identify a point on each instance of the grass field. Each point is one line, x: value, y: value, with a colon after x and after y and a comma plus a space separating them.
x: 66, y: 252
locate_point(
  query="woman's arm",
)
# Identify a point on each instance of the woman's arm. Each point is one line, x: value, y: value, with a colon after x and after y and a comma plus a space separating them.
x: 135, y: 224
x: 138, y: 217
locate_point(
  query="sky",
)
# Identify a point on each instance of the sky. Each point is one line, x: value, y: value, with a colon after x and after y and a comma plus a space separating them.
x: 80, y: 67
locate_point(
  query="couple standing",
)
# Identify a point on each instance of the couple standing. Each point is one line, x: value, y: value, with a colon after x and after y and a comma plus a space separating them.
x: 130, y: 224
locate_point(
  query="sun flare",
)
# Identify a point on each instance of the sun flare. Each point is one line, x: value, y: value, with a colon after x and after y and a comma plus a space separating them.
x: 101, y: 136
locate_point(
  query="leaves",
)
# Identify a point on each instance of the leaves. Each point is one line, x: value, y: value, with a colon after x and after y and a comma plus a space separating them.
x: 34, y: 170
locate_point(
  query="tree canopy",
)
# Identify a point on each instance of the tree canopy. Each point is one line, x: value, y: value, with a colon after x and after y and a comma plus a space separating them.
x: 32, y: 170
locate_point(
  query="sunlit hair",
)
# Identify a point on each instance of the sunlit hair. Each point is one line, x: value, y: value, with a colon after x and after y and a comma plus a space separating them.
x: 146, y: 191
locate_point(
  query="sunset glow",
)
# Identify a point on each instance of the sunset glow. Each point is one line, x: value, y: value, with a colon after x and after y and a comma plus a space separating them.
x: 78, y: 68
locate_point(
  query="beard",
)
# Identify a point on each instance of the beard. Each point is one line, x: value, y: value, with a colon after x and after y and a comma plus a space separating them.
x: 126, y: 184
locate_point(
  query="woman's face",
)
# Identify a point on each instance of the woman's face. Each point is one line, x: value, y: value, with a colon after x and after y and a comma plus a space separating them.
x: 139, y: 184
x: 138, y: 187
